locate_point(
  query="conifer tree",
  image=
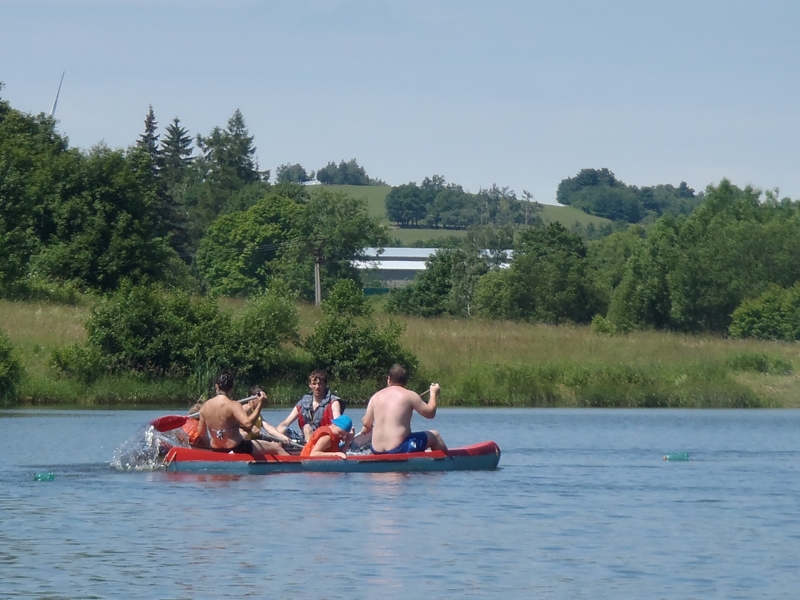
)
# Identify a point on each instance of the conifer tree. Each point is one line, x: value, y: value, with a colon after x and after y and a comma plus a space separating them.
x: 176, y: 153
x: 148, y: 141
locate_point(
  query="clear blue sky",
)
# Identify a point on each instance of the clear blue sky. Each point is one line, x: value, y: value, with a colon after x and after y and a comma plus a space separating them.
x: 522, y: 94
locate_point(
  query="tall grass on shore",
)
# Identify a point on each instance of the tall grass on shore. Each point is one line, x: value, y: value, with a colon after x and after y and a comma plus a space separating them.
x: 478, y: 363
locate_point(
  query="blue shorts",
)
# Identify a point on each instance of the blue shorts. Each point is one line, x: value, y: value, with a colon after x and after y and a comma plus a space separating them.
x: 416, y: 442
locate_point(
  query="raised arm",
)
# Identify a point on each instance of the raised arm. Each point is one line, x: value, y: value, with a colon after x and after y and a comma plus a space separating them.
x: 427, y: 410
x: 247, y: 421
x: 336, y: 409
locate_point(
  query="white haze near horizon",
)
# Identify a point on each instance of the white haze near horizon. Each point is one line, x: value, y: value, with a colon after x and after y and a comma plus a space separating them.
x: 518, y: 93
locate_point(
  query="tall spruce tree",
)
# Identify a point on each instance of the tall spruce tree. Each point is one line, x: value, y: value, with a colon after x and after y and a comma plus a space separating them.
x: 148, y: 141
x: 229, y: 155
x: 176, y: 153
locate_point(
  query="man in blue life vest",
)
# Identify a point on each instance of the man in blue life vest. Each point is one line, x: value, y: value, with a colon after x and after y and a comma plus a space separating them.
x: 389, y: 413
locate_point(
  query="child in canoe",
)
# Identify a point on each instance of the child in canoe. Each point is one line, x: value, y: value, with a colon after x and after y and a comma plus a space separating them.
x: 326, y: 440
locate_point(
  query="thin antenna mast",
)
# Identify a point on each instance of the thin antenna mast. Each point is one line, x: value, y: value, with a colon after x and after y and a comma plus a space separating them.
x: 55, y: 102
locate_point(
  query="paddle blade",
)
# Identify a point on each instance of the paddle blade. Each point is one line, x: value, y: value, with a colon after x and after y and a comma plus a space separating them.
x: 168, y: 423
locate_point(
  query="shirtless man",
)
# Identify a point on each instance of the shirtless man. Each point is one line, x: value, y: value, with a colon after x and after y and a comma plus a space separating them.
x: 389, y: 413
x: 221, y: 419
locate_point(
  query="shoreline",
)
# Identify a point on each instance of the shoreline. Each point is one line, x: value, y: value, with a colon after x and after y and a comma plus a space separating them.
x: 477, y: 362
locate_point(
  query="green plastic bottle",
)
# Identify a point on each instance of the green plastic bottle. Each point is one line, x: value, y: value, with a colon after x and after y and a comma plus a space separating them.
x: 44, y: 477
x: 677, y: 456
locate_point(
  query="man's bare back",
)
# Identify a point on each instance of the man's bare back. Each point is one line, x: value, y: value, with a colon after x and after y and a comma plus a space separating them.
x: 389, y: 413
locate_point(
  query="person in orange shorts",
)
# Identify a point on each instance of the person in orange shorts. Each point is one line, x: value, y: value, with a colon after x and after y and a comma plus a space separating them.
x: 325, y: 440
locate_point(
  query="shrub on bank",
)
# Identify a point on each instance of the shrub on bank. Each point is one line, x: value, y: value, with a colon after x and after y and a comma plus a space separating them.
x: 352, y: 346
x: 10, y: 370
x: 568, y: 384
x: 774, y: 315
x: 147, y: 331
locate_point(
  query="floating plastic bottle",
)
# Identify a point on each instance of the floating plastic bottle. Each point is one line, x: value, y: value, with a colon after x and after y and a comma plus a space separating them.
x: 677, y: 456
x: 44, y: 477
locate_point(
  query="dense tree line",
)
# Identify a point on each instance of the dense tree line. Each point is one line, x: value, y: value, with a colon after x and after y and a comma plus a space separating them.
x: 733, y: 266
x: 598, y: 192
x: 345, y: 173
x: 550, y: 280
x: 193, y: 212
x: 436, y: 203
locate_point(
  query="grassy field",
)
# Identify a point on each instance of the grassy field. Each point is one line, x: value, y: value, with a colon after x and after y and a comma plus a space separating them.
x: 568, y: 216
x: 376, y: 205
x: 375, y: 195
x: 477, y: 363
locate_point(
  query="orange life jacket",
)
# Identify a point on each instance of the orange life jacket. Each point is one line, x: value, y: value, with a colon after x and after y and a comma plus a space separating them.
x: 191, y: 427
x: 315, y: 437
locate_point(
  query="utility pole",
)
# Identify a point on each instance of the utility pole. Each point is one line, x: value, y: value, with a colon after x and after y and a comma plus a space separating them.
x: 317, y: 282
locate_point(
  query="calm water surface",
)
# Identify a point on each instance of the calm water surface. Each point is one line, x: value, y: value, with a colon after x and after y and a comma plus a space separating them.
x: 581, y: 507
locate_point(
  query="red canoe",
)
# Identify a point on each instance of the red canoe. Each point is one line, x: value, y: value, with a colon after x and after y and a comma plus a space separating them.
x: 477, y: 457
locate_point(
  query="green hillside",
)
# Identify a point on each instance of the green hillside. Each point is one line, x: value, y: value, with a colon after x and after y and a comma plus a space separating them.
x: 567, y: 216
x: 375, y: 196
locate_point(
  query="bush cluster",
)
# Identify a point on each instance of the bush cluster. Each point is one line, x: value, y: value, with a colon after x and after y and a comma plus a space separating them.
x: 155, y: 333
x: 774, y: 315
x: 348, y: 341
x: 147, y: 330
x: 10, y: 370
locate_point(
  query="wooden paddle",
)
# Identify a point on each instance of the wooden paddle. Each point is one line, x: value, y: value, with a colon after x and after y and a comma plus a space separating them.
x: 170, y: 422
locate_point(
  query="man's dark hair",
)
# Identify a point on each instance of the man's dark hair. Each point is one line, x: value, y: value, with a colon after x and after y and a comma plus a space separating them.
x: 319, y: 374
x: 255, y: 390
x: 225, y: 381
x: 398, y: 375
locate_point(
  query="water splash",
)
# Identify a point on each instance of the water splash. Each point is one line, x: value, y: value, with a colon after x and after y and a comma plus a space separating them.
x: 145, y: 451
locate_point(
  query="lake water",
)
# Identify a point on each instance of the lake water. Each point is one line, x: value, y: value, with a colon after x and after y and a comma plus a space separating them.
x: 582, y: 506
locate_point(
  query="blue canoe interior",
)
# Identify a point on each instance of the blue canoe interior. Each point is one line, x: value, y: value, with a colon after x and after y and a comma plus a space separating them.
x: 478, y: 457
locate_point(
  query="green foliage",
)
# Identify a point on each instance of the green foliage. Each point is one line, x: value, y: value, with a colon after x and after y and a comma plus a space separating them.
x: 602, y: 326
x: 292, y: 174
x: 691, y: 273
x: 564, y: 383
x: 148, y: 141
x: 240, y: 251
x: 35, y: 166
x: 334, y: 228
x: 82, y: 362
x: 151, y: 332
x: 435, y: 203
x: 103, y: 230
x: 550, y: 280
x: 269, y: 323
x: 346, y: 173
x: 758, y: 362
x: 353, y: 348
x: 347, y: 298
x: 11, y: 370
x: 446, y: 286
x: 609, y: 255
x: 176, y: 154
x: 225, y: 168
x: 143, y: 329
x: 774, y: 315
x: 599, y: 192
